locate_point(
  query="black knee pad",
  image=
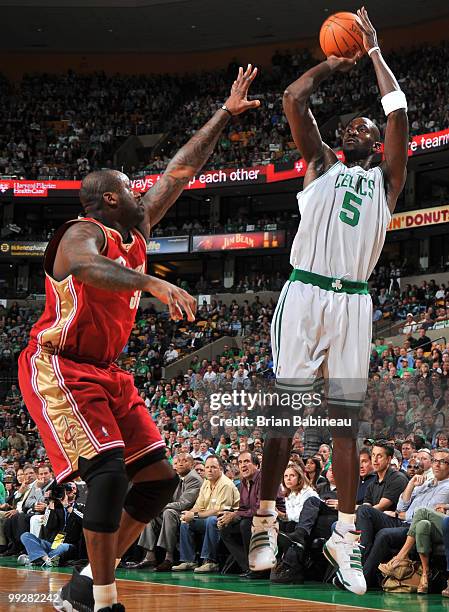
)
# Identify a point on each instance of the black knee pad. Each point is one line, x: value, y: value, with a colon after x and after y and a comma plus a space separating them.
x: 107, y: 485
x: 146, y: 500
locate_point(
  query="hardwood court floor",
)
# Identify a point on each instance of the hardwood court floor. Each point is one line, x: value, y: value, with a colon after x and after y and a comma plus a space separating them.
x: 142, y: 591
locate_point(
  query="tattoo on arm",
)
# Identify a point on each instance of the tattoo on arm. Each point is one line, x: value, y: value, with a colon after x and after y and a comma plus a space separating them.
x: 183, y: 167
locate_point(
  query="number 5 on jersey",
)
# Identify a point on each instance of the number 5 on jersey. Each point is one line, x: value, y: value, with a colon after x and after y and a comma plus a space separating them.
x: 349, y: 214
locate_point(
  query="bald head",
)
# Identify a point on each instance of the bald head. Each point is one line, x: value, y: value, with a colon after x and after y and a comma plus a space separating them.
x: 96, y: 184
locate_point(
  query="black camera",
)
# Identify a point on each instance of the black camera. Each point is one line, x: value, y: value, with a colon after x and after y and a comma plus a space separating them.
x: 59, y: 491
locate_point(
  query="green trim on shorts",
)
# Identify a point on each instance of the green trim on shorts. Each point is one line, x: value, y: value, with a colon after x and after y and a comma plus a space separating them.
x: 284, y: 384
x: 343, y: 402
x: 338, y: 285
x: 279, y: 324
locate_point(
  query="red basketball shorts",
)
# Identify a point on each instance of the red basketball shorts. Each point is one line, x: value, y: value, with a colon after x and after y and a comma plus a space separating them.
x: 82, y: 410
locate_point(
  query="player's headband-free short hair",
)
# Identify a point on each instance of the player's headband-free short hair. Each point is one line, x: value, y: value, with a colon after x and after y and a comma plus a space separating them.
x: 389, y: 448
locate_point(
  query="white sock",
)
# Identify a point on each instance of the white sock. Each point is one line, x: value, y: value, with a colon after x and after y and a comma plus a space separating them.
x: 267, y: 508
x: 105, y: 595
x: 345, y: 523
x: 87, y: 571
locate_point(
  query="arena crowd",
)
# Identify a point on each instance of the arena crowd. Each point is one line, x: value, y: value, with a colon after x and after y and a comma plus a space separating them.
x: 64, y: 126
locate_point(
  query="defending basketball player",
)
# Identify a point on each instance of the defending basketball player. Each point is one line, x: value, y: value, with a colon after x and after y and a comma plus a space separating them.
x: 88, y: 411
x: 322, y: 323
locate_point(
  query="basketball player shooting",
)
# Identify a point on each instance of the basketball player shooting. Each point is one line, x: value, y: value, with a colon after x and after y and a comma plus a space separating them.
x: 322, y: 323
x: 88, y: 411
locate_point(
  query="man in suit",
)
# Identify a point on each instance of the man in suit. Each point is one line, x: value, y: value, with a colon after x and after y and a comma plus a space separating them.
x: 163, y: 530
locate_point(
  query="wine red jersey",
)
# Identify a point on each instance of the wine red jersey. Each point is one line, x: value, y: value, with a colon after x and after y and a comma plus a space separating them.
x: 81, y: 321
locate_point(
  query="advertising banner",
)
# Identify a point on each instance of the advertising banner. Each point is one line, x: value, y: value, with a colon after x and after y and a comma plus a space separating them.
x: 22, y: 249
x: 172, y: 244
x: 239, y: 240
x: 419, y: 218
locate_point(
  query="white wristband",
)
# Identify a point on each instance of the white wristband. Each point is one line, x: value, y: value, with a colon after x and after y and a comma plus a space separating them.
x: 373, y: 49
x: 393, y: 101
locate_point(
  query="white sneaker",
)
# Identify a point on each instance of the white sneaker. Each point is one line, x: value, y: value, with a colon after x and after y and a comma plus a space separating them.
x: 23, y: 560
x: 263, y: 546
x: 207, y: 567
x: 184, y: 566
x: 343, y: 552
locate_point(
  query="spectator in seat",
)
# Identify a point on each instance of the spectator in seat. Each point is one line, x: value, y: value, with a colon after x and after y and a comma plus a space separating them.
x: 313, y: 471
x: 407, y: 449
x: 61, y: 532
x: 235, y: 527
x: 382, y: 494
x: 171, y: 354
x: 414, y: 467
x: 204, y: 451
x: 193, y: 343
x: 426, y: 529
x: 196, y: 452
x: 318, y: 514
x: 200, y: 469
x: 442, y: 439
x: 425, y: 458
x: 366, y: 473
x: 32, y: 502
x: 302, y: 505
x: 390, y: 528
x: 423, y: 341
x: 163, y: 531
x: 217, y: 493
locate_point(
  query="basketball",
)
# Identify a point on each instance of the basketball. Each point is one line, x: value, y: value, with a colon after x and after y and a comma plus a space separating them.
x: 340, y: 35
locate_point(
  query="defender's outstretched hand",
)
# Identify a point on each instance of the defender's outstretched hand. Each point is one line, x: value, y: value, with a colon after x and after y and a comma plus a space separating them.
x: 237, y: 102
x: 368, y: 31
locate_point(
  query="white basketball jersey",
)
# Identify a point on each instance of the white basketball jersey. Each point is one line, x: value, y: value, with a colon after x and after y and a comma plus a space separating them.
x: 344, y: 219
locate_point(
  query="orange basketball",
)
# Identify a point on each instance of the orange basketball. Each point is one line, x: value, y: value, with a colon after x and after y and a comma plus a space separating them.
x: 340, y: 35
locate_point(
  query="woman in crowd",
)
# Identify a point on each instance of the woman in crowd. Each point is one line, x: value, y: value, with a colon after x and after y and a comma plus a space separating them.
x: 442, y: 439
x: 313, y: 471
x: 297, y: 489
